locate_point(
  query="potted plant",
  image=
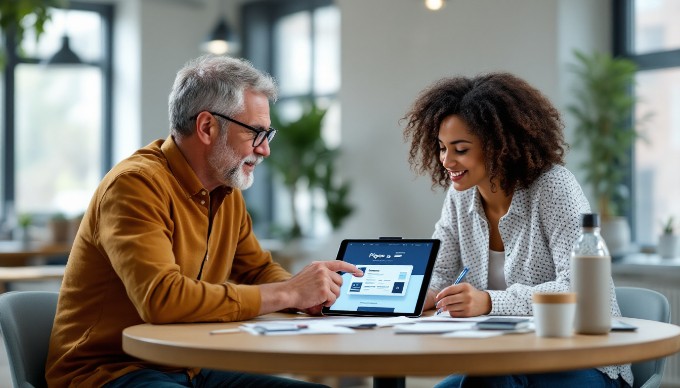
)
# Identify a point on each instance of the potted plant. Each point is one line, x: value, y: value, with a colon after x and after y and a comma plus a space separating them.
x: 24, y: 222
x: 606, y: 130
x: 13, y: 17
x: 303, y: 161
x: 669, y: 242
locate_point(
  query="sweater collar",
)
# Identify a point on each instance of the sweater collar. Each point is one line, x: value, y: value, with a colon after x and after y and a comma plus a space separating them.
x: 183, y: 172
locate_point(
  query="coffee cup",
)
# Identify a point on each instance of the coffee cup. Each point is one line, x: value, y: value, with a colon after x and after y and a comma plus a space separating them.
x: 554, y: 313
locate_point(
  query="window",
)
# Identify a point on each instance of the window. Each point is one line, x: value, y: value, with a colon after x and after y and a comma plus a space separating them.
x: 298, y: 42
x: 647, y: 32
x: 56, y: 118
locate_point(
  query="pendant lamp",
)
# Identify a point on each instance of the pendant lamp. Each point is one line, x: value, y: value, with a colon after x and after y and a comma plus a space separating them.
x: 221, y: 40
x: 65, y: 55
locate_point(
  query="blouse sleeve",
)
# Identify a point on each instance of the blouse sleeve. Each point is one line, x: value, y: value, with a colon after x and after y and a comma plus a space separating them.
x: 448, y: 259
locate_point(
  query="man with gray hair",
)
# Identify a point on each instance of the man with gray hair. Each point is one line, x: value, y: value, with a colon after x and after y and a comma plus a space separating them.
x: 167, y: 238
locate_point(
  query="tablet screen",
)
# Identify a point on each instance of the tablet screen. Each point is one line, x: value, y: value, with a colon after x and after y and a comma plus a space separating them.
x: 396, y: 277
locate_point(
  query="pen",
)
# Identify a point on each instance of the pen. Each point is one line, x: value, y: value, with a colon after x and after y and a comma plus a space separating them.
x: 458, y: 280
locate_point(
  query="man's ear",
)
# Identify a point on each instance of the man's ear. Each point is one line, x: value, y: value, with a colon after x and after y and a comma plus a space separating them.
x: 206, y: 127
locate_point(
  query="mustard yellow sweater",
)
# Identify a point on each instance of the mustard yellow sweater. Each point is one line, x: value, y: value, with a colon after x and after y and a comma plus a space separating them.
x: 137, y: 258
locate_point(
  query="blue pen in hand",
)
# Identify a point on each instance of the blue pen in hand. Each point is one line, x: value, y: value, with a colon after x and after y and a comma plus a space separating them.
x: 458, y: 280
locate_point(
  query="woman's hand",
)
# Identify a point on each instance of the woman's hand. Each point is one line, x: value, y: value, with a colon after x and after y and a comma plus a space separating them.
x: 463, y: 300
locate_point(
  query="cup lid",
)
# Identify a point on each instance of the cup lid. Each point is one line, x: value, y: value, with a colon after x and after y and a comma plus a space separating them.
x: 554, y: 297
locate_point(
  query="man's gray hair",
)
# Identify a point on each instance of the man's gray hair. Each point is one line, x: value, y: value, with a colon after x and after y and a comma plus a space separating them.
x: 214, y: 83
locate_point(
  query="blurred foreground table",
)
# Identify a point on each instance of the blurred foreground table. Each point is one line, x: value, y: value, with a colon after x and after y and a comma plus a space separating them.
x: 20, y: 253
x: 31, y: 273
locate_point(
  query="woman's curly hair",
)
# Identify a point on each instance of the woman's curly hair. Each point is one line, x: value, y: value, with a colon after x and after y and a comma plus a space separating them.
x: 519, y: 128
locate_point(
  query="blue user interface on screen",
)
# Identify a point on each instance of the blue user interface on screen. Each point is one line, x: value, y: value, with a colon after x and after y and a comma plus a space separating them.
x: 393, y: 276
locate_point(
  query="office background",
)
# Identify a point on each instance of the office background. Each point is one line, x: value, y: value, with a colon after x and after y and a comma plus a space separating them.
x: 389, y: 51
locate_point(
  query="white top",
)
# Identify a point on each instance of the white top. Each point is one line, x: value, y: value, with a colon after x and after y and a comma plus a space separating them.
x: 538, y: 233
x: 496, y: 275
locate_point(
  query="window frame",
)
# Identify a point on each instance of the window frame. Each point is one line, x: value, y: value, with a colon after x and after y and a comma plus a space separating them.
x: 8, y: 174
x: 257, y: 29
x: 623, y: 32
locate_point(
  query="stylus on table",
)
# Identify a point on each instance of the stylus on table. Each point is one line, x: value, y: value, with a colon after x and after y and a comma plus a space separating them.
x: 458, y: 280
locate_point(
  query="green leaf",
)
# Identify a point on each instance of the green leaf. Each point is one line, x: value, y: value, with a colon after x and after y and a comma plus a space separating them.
x: 13, y: 17
x: 299, y: 155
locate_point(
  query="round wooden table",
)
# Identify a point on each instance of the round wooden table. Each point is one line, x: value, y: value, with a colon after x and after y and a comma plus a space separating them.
x: 388, y: 356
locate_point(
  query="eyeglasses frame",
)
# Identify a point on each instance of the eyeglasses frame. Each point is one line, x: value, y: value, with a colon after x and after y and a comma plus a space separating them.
x: 260, y: 134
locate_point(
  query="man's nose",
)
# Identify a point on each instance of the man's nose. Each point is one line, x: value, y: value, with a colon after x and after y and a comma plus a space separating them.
x: 263, y: 148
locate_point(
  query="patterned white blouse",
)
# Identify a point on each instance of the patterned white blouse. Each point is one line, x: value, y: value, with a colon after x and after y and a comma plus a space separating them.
x: 538, y: 233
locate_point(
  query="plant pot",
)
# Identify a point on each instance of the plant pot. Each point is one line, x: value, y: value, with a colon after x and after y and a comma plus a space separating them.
x: 74, y: 225
x: 668, y: 246
x: 616, y: 233
x: 59, y: 230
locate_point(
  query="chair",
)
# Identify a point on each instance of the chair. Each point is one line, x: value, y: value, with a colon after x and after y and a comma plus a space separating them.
x: 26, y: 319
x: 645, y: 304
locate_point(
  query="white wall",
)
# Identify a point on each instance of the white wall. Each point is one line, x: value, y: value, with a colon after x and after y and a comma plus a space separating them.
x: 391, y: 49
x: 152, y: 41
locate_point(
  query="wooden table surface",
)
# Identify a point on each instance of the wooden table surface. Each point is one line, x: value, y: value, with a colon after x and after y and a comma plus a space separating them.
x: 381, y: 353
x: 18, y: 253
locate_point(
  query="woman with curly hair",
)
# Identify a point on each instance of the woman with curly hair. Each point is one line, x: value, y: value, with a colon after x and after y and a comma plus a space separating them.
x: 512, y: 211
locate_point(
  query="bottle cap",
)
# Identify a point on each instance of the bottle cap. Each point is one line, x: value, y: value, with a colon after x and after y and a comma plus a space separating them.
x: 590, y: 220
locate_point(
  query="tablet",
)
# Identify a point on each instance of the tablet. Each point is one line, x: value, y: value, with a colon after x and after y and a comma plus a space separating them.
x: 396, y: 277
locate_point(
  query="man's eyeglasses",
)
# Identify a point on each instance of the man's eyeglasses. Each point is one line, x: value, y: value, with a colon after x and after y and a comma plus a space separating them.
x: 260, y: 134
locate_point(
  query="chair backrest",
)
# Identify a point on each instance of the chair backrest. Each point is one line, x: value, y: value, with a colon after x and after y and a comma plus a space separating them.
x: 645, y: 304
x: 26, y: 319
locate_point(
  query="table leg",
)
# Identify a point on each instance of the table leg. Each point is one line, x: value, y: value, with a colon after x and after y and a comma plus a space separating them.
x: 389, y: 382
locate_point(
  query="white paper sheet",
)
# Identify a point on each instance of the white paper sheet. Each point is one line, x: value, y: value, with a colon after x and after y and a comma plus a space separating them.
x: 432, y: 327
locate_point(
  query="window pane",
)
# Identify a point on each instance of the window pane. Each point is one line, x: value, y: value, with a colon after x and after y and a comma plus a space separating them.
x: 656, y: 25
x: 657, y: 158
x: 327, y: 50
x: 84, y: 30
x: 3, y: 148
x: 293, y: 53
x: 58, y: 137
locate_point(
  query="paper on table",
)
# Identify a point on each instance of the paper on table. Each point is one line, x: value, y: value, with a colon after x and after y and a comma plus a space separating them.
x: 432, y: 327
x: 351, y: 321
x: 473, y: 334
x: 377, y: 321
x: 312, y: 328
x: 448, y: 318
x: 328, y: 325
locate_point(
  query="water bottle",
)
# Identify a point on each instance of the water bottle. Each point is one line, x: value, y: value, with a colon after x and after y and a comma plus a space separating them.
x: 590, y: 276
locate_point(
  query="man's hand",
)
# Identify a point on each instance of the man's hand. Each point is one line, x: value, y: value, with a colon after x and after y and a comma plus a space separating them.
x: 463, y: 300
x: 316, y: 286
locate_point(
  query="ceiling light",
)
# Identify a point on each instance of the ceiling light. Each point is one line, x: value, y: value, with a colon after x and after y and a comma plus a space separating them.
x: 65, y: 56
x: 434, y: 5
x: 222, y: 39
